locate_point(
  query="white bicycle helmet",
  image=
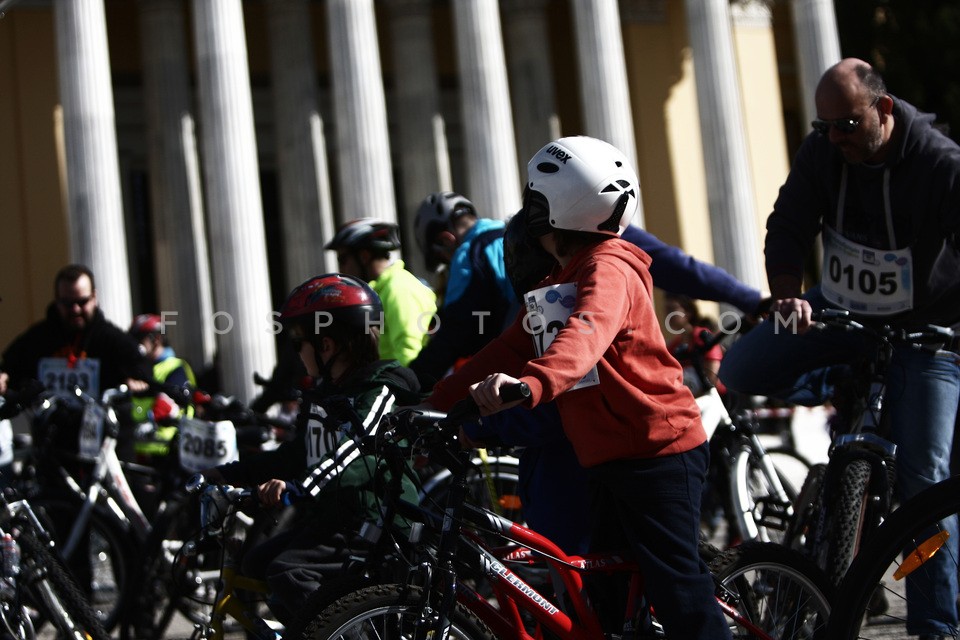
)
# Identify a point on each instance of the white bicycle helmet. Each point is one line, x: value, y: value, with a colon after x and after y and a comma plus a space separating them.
x: 582, y: 184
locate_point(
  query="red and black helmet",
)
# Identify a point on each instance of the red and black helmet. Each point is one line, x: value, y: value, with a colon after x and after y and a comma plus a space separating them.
x: 349, y: 301
x: 146, y: 324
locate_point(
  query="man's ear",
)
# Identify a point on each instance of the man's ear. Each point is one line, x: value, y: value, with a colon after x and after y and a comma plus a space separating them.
x: 446, y: 239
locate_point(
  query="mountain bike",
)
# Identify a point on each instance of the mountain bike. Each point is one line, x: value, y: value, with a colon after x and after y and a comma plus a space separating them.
x: 845, y: 500
x: 225, y: 532
x: 34, y: 587
x: 765, y: 590
x: 896, y: 557
x: 754, y: 486
x: 79, y: 485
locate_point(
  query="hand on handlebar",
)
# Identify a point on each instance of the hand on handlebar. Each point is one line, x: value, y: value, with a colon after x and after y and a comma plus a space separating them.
x: 270, y: 493
x: 487, y: 393
x: 786, y: 309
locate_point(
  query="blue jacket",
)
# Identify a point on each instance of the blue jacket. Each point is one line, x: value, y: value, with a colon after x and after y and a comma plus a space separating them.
x: 477, y: 284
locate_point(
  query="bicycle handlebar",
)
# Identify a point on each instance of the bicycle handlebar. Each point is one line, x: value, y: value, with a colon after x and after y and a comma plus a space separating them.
x: 930, y: 338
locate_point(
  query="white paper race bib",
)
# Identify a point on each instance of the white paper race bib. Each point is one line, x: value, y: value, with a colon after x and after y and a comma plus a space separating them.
x: 56, y: 374
x: 6, y: 442
x: 91, y: 430
x: 548, y: 309
x: 205, y: 444
x: 873, y: 282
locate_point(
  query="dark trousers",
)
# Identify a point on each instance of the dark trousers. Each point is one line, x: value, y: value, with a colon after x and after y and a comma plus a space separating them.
x: 651, y: 507
x: 294, y: 563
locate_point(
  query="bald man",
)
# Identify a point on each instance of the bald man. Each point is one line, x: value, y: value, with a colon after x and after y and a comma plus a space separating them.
x: 881, y: 185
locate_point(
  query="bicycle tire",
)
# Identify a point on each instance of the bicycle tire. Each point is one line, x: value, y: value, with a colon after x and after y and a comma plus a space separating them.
x: 395, y: 606
x: 498, y: 492
x: 775, y: 588
x: 317, y: 603
x: 749, y: 488
x: 106, y: 579
x: 846, y: 519
x: 858, y: 608
x: 806, y: 509
x: 56, y: 594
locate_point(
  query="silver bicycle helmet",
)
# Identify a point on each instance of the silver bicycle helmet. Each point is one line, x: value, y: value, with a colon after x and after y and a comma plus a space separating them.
x: 437, y: 213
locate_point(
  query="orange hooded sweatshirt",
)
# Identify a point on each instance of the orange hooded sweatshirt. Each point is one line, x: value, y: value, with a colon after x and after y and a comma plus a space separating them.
x: 640, y: 408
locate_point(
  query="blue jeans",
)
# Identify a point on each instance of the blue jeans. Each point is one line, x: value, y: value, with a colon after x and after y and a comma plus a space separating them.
x: 922, y: 395
x: 652, y: 507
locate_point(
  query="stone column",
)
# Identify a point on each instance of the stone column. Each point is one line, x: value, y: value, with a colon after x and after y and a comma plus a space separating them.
x: 242, y: 317
x: 94, y: 200
x: 416, y: 97
x: 729, y: 182
x: 531, y: 77
x: 363, y: 144
x: 818, y: 46
x: 179, y: 231
x: 493, y: 179
x: 306, y: 227
x: 604, y: 90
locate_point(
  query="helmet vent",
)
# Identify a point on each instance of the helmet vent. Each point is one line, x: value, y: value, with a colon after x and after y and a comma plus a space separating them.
x: 610, y: 187
x: 612, y: 224
x: 548, y: 167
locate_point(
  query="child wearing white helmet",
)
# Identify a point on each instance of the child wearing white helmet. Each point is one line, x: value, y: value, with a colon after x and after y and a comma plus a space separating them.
x: 632, y: 422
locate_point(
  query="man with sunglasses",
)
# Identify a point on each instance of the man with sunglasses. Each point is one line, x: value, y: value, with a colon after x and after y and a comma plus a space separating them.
x: 75, y: 345
x: 881, y: 185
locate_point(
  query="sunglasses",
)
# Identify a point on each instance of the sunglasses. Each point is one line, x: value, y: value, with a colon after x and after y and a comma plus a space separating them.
x: 68, y: 303
x: 843, y: 125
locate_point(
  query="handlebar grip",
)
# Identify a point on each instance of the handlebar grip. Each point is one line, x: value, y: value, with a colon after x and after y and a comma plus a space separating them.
x: 514, y: 392
x: 467, y: 409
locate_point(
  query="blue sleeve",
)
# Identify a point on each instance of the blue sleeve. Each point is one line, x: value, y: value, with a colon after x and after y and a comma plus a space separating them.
x: 677, y: 272
x: 521, y: 427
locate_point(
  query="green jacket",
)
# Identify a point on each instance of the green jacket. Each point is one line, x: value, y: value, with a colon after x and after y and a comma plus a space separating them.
x: 325, y: 462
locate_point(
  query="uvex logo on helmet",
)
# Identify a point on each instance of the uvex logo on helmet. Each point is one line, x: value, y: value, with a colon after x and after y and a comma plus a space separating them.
x: 581, y: 184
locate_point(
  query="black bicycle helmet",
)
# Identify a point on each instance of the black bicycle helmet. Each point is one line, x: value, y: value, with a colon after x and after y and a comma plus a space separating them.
x: 366, y: 233
x: 437, y: 213
x: 527, y: 262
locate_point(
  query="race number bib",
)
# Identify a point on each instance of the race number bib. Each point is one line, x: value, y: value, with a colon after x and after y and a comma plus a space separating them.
x: 316, y: 437
x: 205, y: 444
x: 6, y: 443
x: 91, y: 430
x: 57, y: 375
x: 548, y: 309
x: 873, y: 282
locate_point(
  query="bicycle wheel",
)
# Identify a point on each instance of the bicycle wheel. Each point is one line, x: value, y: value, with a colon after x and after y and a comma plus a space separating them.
x: 761, y: 511
x: 871, y: 601
x: 806, y: 510
x: 846, y: 519
x: 493, y: 485
x: 774, y: 588
x: 388, y: 611
x: 102, y: 563
x: 55, y: 594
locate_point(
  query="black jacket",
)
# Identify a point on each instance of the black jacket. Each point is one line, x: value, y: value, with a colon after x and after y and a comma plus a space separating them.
x: 118, y: 352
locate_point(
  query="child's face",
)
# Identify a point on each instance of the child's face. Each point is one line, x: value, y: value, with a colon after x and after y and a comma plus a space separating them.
x: 309, y: 359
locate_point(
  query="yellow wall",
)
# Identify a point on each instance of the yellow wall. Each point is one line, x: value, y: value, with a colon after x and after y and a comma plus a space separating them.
x: 33, y: 243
